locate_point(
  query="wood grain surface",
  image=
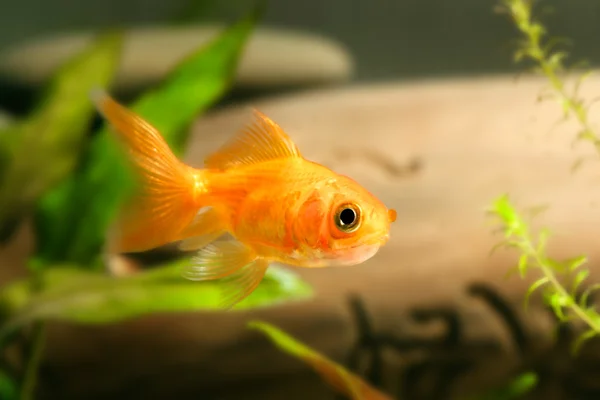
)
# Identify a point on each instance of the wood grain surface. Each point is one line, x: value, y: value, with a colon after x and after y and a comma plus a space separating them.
x: 439, y: 152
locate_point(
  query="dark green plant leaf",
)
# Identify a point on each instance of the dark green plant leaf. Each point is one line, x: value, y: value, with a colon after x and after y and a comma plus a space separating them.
x: 523, y: 264
x: 536, y: 285
x: 29, y: 382
x: 73, y: 220
x: 8, y: 387
x: 515, y: 389
x: 73, y: 294
x: 583, y: 301
x: 334, y: 374
x: 579, y: 278
x: 581, y: 339
x: 43, y: 149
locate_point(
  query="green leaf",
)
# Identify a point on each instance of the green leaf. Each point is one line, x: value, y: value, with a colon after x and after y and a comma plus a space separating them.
x: 8, y: 387
x: 576, y: 262
x: 518, y: 387
x: 336, y: 376
x: 557, y: 302
x: 581, y: 339
x: 536, y: 211
x: 497, y: 246
x: 579, y: 278
x: 73, y: 220
x: 582, y: 77
x: 73, y: 294
x: 510, y: 272
x: 554, y: 265
x: 29, y: 382
x: 556, y: 59
x: 537, y: 284
x: 42, y: 150
x: 543, y: 241
x: 587, y: 293
x: 503, y: 209
x: 523, y: 264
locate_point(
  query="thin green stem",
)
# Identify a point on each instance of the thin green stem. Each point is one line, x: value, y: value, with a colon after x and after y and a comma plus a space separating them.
x: 533, y: 254
x: 36, y: 347
x: 549, y: 273
x: 550, y: 65
x: 31, y: 372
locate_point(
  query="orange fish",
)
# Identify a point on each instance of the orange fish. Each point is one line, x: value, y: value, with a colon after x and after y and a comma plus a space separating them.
x: 277, y: 206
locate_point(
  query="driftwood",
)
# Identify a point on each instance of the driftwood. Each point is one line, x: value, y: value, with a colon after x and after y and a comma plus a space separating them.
x: 431, y: 316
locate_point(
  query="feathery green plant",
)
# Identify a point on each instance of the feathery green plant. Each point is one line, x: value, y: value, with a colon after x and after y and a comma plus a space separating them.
x: 44, y: 148
x: 72, y: 218
x: 549, y: 63
x: 533, y: 256
x: 74, y: 204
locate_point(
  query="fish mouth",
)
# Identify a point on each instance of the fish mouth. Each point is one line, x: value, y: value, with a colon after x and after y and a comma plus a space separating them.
x: 360, y: 251
x: 372, y: 239
x: 353, y: 255
x: 357, y: 253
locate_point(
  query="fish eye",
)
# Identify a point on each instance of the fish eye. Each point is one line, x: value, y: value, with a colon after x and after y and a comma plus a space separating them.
x: 347, y: 217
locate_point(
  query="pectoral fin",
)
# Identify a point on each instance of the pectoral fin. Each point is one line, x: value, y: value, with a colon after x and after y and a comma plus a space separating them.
x: 237, y: 267
x: 207, y: 227
x: 241, y: 284
x: 217, y: 260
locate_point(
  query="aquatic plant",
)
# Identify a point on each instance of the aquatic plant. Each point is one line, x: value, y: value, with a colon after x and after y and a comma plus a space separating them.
x: 536, y: 47
x: 78, y: 181
x: 335, y: 375
x: 566, y: 303
x: 353, y: 386
x: 551, y: 63
x: 44, y: 148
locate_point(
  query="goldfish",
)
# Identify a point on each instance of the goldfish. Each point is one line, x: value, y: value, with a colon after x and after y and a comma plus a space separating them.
x: 273, y: 204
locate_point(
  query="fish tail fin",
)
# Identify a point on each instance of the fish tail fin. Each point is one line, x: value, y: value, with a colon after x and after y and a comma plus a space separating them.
x: 167, y: 198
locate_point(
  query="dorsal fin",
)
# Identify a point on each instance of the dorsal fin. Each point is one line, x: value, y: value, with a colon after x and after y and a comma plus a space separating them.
x: 259, y: 141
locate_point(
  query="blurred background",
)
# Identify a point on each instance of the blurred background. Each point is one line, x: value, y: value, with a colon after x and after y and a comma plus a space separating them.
x: 429, y: 318
x: 387, y: 39
x: 384, y: 39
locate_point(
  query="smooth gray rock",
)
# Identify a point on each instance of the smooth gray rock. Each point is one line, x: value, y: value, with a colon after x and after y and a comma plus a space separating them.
x: 273, y: 57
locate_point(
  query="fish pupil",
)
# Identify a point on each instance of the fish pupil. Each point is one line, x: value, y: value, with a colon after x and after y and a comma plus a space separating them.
x: 347, y: 216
